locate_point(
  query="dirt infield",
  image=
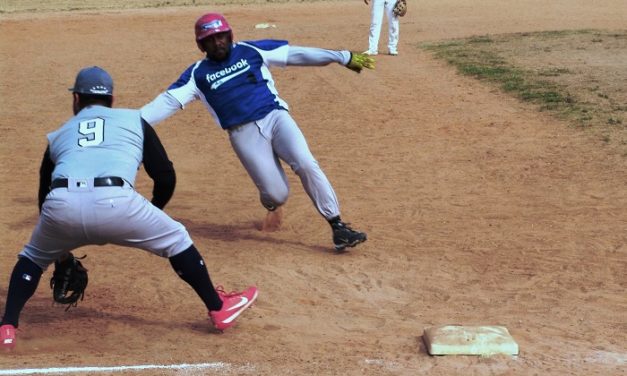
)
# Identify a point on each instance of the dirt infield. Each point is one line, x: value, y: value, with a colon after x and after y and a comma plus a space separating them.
x: 479, y: 209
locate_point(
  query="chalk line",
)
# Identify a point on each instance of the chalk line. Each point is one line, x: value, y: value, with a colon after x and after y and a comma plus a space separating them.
x: 61, y: 370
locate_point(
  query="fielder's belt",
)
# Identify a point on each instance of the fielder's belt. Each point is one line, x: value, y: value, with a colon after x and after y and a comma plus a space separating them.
x: 110, y: 181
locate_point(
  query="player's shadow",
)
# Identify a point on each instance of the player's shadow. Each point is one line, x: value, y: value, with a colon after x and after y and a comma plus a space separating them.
x: 243, y: 231
x: 41, y: 310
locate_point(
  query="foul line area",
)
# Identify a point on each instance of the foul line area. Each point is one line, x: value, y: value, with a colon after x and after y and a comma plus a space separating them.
x: 62, y: 370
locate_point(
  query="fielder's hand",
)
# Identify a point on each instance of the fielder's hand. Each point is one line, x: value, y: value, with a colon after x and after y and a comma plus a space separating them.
x: 360, y: 61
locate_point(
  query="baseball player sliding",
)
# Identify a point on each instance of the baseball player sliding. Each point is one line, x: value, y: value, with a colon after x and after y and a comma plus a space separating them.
x: 87, y: 197
x: 235, y: 84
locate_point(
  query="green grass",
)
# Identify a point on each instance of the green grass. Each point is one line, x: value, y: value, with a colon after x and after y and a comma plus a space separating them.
x: 471, y: 60
x: 524, y: 65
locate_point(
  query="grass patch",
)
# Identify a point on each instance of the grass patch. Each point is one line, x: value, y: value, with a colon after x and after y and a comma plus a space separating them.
x: 578, y: 75
x: 479, y: 61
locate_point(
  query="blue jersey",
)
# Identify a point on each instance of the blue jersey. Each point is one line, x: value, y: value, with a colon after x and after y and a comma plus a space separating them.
x: 238, y: 90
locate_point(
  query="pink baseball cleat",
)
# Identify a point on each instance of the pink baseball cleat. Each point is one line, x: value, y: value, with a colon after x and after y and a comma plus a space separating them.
x: 233, y: 304
x: 7, y: 337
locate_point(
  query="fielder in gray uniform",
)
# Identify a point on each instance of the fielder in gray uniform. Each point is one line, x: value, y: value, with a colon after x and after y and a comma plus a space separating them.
x: 87, y: 197
x: 235, y: 84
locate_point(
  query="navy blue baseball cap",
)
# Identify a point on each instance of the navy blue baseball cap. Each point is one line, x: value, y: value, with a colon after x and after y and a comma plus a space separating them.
x: 93, y: 80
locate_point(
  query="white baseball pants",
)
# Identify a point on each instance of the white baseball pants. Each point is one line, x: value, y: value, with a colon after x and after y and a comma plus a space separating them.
x: 378, y: 8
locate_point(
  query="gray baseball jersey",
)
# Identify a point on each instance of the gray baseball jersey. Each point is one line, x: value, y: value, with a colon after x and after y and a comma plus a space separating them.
x: 100, y: 142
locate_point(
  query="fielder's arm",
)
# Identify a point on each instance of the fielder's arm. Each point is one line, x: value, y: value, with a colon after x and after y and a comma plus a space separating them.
x: 45, y: 177
x: 159, y: 167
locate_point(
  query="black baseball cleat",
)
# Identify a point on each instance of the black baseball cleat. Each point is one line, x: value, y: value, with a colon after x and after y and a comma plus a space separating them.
x: 344, y: 236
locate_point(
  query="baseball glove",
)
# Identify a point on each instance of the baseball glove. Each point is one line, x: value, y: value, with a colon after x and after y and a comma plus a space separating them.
x: 400, y: 8
x: 69, y: 281
x: 359, y: 61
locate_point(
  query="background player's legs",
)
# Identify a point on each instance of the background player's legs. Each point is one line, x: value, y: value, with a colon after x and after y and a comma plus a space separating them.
x: 393, y: 28
x: 254, y: 150
x: 375, y: 26
x: 24, y: 281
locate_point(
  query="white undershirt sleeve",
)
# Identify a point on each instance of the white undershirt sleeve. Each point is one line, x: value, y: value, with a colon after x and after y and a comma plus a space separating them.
x: 161, y: 108
x: 311, y: 56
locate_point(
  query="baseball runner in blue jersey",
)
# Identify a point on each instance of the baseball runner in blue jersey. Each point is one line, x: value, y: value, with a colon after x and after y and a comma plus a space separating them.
x: 87, y: 198
x: 235, y: 84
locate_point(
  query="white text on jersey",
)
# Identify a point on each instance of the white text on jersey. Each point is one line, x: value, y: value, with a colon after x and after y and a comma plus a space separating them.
x: 218, y: 78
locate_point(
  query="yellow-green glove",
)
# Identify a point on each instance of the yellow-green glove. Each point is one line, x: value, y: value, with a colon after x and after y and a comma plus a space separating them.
x: 360, y: 61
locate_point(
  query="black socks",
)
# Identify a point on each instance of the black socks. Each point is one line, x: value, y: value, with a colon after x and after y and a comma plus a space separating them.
x: 190, y: 266
x: 24, y: 280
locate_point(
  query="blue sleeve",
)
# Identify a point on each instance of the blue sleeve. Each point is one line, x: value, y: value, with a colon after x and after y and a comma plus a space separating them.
x: 267, y: 44
x: 183, y: 79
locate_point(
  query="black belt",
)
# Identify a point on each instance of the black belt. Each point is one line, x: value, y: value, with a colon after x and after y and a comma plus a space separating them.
x: 112, y: 181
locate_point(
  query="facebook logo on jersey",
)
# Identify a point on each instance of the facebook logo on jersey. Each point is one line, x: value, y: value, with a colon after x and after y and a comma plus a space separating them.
x: 220, y: 77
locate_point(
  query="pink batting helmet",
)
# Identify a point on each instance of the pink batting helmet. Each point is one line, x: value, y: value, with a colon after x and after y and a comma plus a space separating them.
x: 209, y: 24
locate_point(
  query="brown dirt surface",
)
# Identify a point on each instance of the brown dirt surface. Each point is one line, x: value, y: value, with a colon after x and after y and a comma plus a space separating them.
x: 479, y: 209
